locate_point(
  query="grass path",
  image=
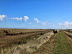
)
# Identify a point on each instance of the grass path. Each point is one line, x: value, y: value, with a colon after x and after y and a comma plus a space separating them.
x: 62, y: 45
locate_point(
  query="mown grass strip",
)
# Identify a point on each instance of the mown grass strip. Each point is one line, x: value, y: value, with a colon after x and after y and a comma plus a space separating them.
x: 62, y: 46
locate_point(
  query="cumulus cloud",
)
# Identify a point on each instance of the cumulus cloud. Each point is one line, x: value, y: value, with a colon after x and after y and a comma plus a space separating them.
x: 17, y: 18
x: 26, y: 18
x: 36, y: 19
x: 66, y: 25
x: 2, y: 16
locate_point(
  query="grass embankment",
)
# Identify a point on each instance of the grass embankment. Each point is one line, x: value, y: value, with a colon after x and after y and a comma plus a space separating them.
x: 62, y: 45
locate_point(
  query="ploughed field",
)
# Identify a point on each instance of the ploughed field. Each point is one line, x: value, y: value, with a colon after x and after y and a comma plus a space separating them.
x: 35, y: 41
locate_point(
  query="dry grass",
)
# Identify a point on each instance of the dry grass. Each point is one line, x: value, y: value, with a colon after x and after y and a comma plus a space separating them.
x: 14, y: 37
x: 47, y: 47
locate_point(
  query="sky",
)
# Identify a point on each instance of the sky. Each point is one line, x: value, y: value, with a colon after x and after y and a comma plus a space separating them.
x: 36, y: 14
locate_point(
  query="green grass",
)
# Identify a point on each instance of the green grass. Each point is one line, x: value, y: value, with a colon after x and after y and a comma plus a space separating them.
x: 62, y: 46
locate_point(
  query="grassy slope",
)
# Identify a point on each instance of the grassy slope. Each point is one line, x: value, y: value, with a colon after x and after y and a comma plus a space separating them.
x: 62, y: 46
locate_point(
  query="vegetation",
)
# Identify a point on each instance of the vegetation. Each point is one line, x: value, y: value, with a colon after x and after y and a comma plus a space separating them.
x: 62, y: 46
x: 47, y: 47
x: 14, y: 41
x: 14, y: 37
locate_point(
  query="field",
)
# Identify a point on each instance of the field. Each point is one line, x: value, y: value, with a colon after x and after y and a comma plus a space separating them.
x: 59, y: 43
x: 13, y: 37
x: 35, y: 41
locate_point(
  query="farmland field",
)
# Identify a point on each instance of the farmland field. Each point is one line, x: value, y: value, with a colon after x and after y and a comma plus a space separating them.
x: 13, y: 37
x: 59, y: 43
x: 35, y: 41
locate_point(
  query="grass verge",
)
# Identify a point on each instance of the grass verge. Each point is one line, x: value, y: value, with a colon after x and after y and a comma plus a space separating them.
x: 62, y: 46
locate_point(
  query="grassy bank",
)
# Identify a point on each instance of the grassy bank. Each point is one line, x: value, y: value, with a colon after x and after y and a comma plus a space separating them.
x: 62, y: 46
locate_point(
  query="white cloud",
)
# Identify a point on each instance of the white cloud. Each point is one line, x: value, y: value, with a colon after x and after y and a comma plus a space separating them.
x: 2, y: 16
x: 17, y: 18
x: 66, y: 25
x: 26, y: 18
x: 36, y: 19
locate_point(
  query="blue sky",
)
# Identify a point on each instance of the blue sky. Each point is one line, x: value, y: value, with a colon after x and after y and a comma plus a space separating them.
x: 36, y: 14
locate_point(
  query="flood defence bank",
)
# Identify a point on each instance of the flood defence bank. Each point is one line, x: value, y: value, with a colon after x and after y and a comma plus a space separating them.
x: 30, y: 46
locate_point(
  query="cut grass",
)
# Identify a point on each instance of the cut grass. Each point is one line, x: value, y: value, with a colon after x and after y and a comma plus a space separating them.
x: 15, y: 40
x: 17, y: 32
x: 68, y: 33
x: 22, y: 37
x: 47, y: 47
x: 9, y: 44
x: 62, y: 46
